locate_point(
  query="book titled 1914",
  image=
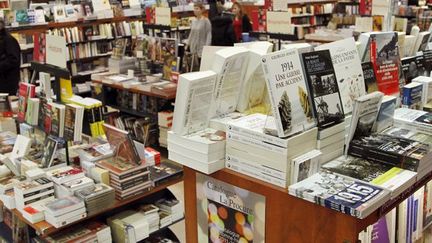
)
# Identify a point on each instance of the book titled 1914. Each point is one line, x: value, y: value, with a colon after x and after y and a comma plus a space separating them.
x: 287, y: 91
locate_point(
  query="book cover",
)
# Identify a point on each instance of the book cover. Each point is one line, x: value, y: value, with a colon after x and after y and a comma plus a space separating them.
x: 369, y: 77
x: 409, y: 68
x: 241, y: 212
x: 384, y: 55
x: 348, y: 70
x: 412, y: 95
x: 49, y: 152
x: 323, y: 88
x: 385, y: 114
x: 409, y: 133
x: 122, y: 143
x: 341, y: 193
x: 69, y: 125
x: 287, y: 91
x: 25, y: 92
x: 193, y: 101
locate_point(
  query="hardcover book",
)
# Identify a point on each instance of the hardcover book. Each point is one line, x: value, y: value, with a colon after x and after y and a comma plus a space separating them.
x: 348, y: 70
x: 287, y: 92
x: 122, y: 144
x: 193, y: 102
x: 341, y: 193
x: 323, y: 88
x: 384, y: 55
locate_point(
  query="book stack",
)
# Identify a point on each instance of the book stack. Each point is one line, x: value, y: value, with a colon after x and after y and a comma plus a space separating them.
x: 413, y: 119
x: 203, y: 151
x: 70, y: 187
x: 172, y: 207
x: 165, y: 119
x: 64, y: 211
x: 427, y: 91
x: 410, y: 134
x: 164, y: 172
x: 130, y: 225
x: 128, y: 180
x: 96, y: 198
x: 65, y: 174
x: 27, y: 193
x: 252, y: 152
x: 35, y: 212
x: 165, y: 219
x: 95, y: 152
x: 330, y: 190
x: 151, y: 214
x: 331, y: 141
x: 89, y: 231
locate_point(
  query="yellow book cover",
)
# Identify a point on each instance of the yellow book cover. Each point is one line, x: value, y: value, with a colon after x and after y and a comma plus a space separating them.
x: 65, y: 89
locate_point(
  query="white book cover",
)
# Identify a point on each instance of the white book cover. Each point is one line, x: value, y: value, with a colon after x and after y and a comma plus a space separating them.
x: 305, y: 165
x: 427, y: 88
x: 193, y: 102
x: 385, y: 114
x: 230, y: 65
x: 348, y: 69
x: 59, y: 12
x: 20, y: 148
x: 301, y: 47
x: 253, y: 88
x: 364, y: 115
x: 288, y: 93
x: 45, y: 83
x: 206, y: 141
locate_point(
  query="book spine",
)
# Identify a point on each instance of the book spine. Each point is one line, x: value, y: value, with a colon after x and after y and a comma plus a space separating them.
x: 254, y: 142
x: 254, y: 135
x: 158, y: 182
x: 262, y: 169
x: 130, y: 184
x: 26, y: 195
x: 128, y: 174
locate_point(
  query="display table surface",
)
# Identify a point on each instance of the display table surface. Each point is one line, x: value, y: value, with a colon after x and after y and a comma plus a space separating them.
x: 288, y: 218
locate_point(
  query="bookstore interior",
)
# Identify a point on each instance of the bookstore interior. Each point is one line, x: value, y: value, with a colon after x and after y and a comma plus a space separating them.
x: 273, y: 121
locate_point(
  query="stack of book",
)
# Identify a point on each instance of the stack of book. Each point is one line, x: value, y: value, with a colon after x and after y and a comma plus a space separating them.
x: 164, y: 172
x: 90, y: 231
x: 172, y: 207
x: 127, y: 179
x: 95, y: 152
x: 65, y: 174
x: 70, y: 187
x: 427, y: 92
x: 26, y: 193
x: 165, y: 219
x: 35, y: 212
x: 413, y: 119
x: 165, y: 119
x: 331, y: 142
x: 151, y: 214
x: 203, y: 151
x: 64, y: 211
x: 129, y: 225
x: 252, y: 152
x: 97, y: 198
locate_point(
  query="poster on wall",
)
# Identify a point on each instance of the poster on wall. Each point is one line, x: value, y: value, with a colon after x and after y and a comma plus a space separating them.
x: 228, y: 214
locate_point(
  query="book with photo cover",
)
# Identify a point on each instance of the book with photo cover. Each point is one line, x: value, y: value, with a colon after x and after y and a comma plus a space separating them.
x: 287, y: 90
x: 384, y: 55
x: 305, y: 165
x: 122, y: 144
x: 385, y: 114
x: 348, y: 69
x: 369, y: 77
x: 409, y: 68
x: 410, y: 134
x: 341, y: 193
x: 323, y: 88
x: 49, y: 152
x: 364, y: 116
x: 164, y: 172
x: 412, y: 96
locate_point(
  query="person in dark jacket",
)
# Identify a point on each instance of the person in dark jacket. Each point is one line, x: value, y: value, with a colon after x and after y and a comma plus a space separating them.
x: 222, y: 31
x: 10, y: 61
x: 241, y: 22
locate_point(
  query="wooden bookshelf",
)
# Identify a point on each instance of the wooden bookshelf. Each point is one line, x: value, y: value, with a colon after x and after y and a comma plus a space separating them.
x: 288, y: 218
x: 44, y: 229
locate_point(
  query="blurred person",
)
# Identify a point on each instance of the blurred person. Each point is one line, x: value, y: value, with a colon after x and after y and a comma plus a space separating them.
x: 10, y: 61
x: 200, y: 34
x: 241, y: 22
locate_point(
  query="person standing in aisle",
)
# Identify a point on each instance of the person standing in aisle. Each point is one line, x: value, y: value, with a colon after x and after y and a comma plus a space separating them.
x: 10, y: 61
x: 241, y: 22
x: 200, y: 34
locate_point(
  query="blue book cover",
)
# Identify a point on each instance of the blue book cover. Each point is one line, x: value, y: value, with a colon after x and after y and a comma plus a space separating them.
x: 412, y: 95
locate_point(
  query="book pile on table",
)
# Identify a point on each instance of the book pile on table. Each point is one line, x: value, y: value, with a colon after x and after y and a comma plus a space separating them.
x: 165, y: 122
x: 29, y: 192
x: 151, y: 214
x: 64, y: 211
x: 7, y: 141
x: 90, y: 231
x: 252, y: 152
x: 164, y: 172
x: 127, y: 179
x: 331, y: 142
x: 165, y: 219
x: 96, y: 198
x: 172, y: 207
x: 129, y: 224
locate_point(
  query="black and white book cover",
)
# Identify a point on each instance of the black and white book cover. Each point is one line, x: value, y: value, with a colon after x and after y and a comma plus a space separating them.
x: 288, y: 92
x: 369, y: 77
x: 409, y: 68
x: 421, y: 66
x: 385, y: 114
x: 428, y: 62
x: 323, y: 88
x: 341, y: 193
x: 348, y: 69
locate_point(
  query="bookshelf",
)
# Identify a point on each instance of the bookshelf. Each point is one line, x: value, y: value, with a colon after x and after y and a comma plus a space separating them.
x: 288, y: 218
x: 44, y: 229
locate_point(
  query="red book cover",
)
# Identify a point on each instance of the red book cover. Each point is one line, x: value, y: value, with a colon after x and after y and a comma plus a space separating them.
x: 365, y: 7
x: 39, y: 47
x: 385, y: 61
x: 25, y: 91
x: 47, y: 120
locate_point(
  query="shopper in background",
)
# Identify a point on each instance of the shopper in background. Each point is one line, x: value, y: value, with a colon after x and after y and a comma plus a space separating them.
x: 200, y: 34
x: 241, y: 22
x: 222, y: 26
x: 10, y: 61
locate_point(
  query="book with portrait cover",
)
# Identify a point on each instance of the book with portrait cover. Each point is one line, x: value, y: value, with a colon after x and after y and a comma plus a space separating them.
x: 227, y: 213
x: 323, y: 88
x: 122, y: 143
x: 341, y: 193
x: 287, y: 91
x: 384, y: 55
x: 348, y: 69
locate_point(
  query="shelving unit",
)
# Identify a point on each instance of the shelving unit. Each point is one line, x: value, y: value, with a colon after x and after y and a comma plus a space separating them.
x: 291, y: 218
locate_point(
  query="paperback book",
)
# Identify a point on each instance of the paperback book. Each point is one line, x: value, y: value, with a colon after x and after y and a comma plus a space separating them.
x: 369, y: 77
x: 385, y: 114
x: 323, y: 88
x: 288, y: 92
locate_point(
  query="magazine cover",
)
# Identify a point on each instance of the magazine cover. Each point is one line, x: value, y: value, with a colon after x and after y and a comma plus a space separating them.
x: 227, y: 213
x: 323, y: 88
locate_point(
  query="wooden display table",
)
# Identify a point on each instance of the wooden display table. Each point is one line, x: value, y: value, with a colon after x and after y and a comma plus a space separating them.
x: 287, y: 218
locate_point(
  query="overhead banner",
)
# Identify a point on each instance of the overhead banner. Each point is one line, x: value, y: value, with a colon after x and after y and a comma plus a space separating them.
x: 226, y: 213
